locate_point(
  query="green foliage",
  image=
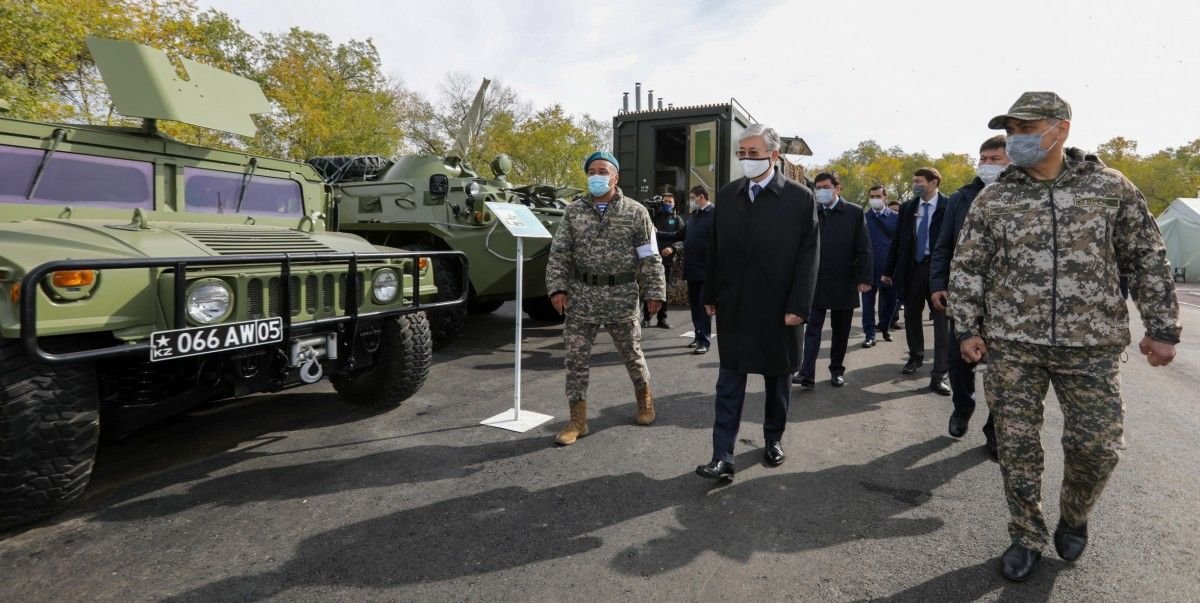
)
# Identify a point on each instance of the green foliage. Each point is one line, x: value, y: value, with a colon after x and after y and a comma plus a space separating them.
x: 869, y: 164
x: 1162, y: 176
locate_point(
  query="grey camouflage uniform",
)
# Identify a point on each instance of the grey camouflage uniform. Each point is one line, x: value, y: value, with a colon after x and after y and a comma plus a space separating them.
x: 592, y: 246
x: 1036, y: 275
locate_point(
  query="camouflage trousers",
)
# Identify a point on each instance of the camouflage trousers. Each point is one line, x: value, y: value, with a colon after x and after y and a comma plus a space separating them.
x: 579, y: 336
x: 1088, y: 386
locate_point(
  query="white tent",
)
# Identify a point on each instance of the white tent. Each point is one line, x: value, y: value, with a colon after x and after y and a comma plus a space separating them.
x: 1180, y: 226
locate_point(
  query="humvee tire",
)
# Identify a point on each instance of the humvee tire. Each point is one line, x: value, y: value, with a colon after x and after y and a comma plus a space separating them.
x: 49, y: 427
x: 540, y: 309
x: 446, y: 324
x: 401, y: 365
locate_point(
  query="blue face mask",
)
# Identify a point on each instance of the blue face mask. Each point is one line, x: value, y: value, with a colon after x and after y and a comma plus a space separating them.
x: 919, y: 190
x: 824, y: 196
x: 1025, y: 150
x: 667, y: 209
x: 598, y: 185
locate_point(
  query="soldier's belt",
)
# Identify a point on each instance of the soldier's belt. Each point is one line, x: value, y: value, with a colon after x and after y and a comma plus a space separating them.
x: 606, y: 279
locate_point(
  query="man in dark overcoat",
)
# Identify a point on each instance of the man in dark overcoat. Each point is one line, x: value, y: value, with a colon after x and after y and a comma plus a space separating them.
x: 844, y: 274
x: 762, y: 268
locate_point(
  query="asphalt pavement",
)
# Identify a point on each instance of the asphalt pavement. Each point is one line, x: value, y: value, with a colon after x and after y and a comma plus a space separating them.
x: 300, y: 497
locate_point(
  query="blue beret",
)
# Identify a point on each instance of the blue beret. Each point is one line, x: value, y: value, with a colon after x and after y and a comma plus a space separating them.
x: 605, y: 155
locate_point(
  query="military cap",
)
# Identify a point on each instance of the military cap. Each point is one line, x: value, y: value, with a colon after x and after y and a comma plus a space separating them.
x: 1033, y: 106
x: 605, y: 155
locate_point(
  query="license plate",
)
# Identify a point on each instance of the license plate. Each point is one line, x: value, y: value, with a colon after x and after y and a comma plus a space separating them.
x: 181, y: 343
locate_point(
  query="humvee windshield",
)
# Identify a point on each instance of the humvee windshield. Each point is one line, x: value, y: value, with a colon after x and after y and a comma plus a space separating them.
x: 74, y: 178
x: 213, y: 192
x: 128, y: 184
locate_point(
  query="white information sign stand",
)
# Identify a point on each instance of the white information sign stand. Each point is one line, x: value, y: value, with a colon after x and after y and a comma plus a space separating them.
x: 522, y: 224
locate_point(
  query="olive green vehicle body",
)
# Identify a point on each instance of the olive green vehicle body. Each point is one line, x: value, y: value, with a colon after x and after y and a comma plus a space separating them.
x: 408, y: 207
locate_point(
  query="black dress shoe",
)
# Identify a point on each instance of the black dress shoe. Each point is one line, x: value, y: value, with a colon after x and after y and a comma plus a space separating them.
x: 716, y: 470
x: 802, y: 381
x: 939, y: 386
x: 663, y: 324
x: 887, y: 336
x: 958, y: 426
x: 773, y: 455
x: 870, y: 343
x: 700, y: 349
x: 645, y: 324
x: 693, y: 344
x: 1069, y: 541
x: 838, y: 381
x: 914, y: 363
x: 896, y: 326
x: 1017, y: 563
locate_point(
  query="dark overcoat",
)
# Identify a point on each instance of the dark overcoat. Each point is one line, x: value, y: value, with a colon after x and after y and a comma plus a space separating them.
x: 762, y: 264
x: 845, y: 257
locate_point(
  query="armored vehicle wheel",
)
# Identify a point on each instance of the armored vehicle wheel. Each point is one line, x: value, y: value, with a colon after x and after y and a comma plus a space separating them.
x: 445, y: 323
x: 49, y: 426
x: 539, y: 308
x: 483, y: 307
x: 401, y: 364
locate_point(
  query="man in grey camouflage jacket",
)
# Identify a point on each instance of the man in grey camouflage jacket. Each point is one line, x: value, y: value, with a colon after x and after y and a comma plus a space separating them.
x: 1034, y: 287
x: 603, y: 251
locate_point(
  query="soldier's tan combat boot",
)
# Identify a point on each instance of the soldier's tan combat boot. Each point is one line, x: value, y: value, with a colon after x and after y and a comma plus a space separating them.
x: 577, y: 427
x: 645, y: 407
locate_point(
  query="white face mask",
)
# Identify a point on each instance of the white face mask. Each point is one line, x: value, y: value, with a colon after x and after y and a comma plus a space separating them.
x: 876, y: 204
x: 989, y: 172
x: 753, y: 168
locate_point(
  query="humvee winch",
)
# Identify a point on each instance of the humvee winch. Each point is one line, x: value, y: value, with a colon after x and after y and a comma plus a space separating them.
x: 140, y: 276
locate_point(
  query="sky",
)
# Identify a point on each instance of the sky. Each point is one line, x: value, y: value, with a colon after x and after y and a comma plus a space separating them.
x: 924, y: 76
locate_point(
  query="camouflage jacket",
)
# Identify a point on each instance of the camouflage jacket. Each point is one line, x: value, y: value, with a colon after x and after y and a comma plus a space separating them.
x: 1039, y: 264
x: 619, y: 242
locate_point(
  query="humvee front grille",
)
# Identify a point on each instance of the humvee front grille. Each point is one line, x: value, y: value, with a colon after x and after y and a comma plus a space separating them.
x: 315, y: 294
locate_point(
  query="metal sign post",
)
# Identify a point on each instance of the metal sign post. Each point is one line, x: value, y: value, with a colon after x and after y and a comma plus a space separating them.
x: 521, y: 222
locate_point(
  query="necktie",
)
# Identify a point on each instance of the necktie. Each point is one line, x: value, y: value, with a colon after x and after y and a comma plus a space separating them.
x: 923, y: 233
x: 754, y: 191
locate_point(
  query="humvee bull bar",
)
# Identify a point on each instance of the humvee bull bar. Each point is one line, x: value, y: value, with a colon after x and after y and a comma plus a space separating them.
x: 285, y: 262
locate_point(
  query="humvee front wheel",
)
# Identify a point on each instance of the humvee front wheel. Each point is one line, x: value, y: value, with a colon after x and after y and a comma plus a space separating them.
x: 400, y: 366
x: 445, y: 323
x: 49, y: 427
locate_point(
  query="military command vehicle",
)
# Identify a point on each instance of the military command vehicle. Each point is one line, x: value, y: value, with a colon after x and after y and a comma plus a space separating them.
x: 141, y: 276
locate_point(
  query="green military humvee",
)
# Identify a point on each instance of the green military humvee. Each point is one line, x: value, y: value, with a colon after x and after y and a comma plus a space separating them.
x: 426, y: 202
x: 140, y: 276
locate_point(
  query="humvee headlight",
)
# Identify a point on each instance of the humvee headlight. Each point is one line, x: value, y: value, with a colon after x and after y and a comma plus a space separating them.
x: 71, y: 285
x: 385, y: 285
x: 473, y: 189
x: 209, y: 301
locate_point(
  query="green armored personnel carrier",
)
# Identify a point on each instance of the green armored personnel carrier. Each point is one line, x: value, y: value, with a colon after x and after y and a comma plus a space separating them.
x: 140, y: 276
x: 437, y: 203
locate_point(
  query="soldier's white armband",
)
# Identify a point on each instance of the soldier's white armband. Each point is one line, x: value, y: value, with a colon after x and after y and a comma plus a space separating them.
x: 649, y: 249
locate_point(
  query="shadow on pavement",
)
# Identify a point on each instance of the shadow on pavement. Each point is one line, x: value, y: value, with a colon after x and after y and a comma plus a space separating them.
x: 513, y: 526
x: 978, y: 581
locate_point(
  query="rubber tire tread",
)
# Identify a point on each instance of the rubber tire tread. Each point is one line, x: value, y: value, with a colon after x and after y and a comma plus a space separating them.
x: 49, y: 429
x: 446, y: 323
x: 401, y: 365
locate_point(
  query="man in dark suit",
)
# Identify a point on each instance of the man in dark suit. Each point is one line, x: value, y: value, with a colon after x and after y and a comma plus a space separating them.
x: 667, y: 224
x: 881, y: 226
x: 992, y: 160
x: 762, y: 268
x: 844, y: 273
x: 908, y: 270
x: 696, y: 234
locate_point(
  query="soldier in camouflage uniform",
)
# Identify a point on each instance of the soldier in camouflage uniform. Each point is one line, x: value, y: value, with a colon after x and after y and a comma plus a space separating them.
x: 1034, y: 286
x: 603, y: 251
